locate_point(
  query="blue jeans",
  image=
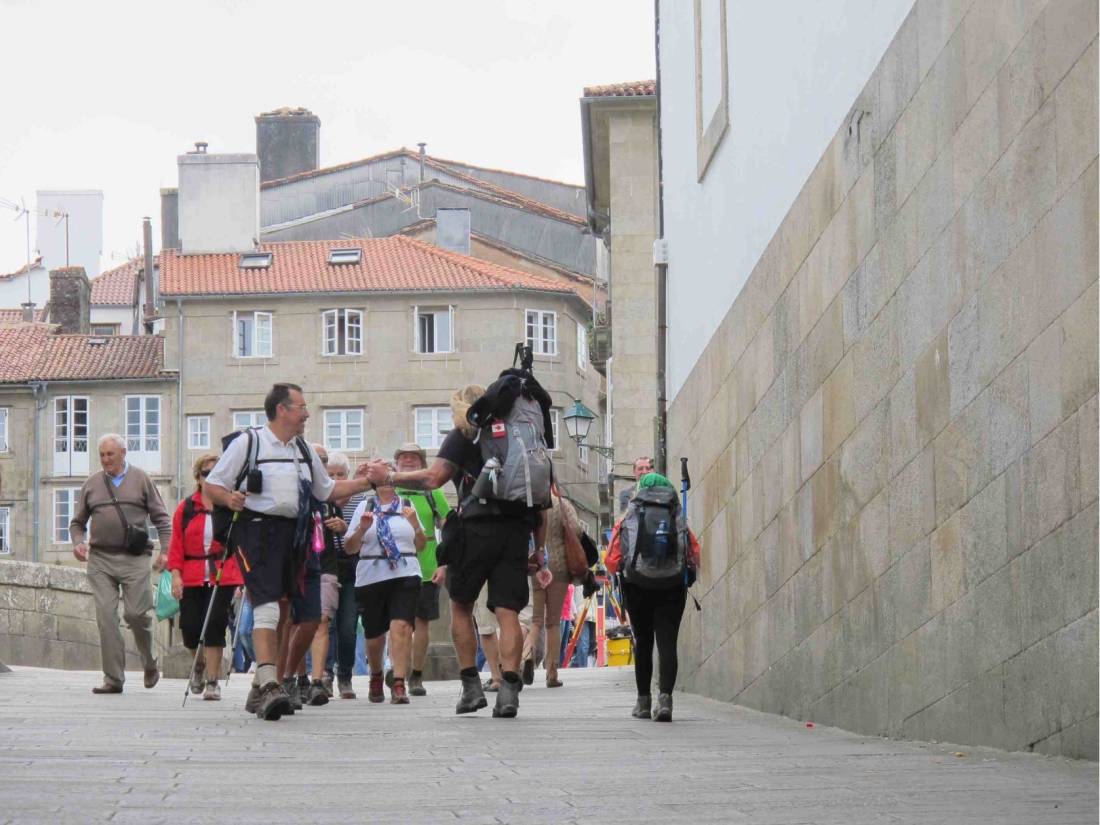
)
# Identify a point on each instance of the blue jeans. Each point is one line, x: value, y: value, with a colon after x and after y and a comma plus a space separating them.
x: 342, y: 634
x: 243, y: 654
x: 584, y: 646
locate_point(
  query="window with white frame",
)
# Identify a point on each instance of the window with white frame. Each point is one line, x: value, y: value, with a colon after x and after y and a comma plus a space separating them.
x: 198, y: 432
x: 252, y: 334
x: 582, y: 455
x: 344, y: 430
x: 431, y: 425
x: 542, y: 332
x: 433, y: 329
x: 65, y: 501
x: 554, y: 417
x: 143, y: 431
x: 243, y: 419
x: 5, y: 531
x: 70, y: 435
x: 4, y: 440
x: 582, y: 346
x: 342, y: 332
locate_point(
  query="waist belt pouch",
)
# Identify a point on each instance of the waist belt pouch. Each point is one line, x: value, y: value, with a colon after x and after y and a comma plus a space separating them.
x: 137, y: 540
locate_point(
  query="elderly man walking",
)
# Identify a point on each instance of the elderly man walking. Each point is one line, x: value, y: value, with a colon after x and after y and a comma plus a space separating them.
x: 119, y: 500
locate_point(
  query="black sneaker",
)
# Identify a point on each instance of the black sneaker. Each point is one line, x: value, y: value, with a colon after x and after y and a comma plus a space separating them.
x: 529, y: 672
x: 253, y: 700
x: 274, y: 702
x: 472, y: 697
x: 507, y: 705
x: 317, y: 695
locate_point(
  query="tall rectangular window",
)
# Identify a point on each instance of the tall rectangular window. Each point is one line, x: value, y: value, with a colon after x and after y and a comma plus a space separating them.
x: 4, y: 440
x: 555, y: 416
x: 582, y: 455
x: 434, y: 329
x: 5, y: 531
x: 431, y: 425
x: 344, y: 430
x: 198, y: 432
x: 143, y: 431
x: 65, y: 501
x: 342, y: 332
x: 70, y: 435
x: 542, y: 332
x: 252, y: 334
x: 582, y: 347
x: 243, y: 419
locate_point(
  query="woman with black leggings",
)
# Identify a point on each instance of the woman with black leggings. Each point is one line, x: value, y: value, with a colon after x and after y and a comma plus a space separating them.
x: 655, y: 614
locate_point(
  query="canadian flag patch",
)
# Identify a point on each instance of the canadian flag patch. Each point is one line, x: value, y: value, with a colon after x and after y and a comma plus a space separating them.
x: 499, y: 430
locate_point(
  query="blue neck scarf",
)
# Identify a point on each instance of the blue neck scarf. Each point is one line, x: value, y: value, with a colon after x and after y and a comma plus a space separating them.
x: 385, y: 536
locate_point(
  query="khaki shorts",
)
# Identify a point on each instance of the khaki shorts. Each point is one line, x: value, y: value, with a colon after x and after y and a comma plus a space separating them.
x: 487, y: 621
x: 330, y: 595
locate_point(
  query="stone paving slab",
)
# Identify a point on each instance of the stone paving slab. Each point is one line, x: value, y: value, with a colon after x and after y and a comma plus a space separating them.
x: 574, y: 755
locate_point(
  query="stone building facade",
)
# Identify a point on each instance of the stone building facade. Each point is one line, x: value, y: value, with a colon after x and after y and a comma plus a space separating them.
x: 893, y: 428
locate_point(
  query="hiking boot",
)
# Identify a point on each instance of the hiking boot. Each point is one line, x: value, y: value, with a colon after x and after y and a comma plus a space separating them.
x: 489, y: 686
x: 507, y: 705
x: 326, y: 683
x: 375, y: 693
x: 107, y: 687
x: 253, y: 700
x: 152, y: 676
x: 274, y: 702
x: 472, y: 697
x: 198, y: 680
x: 389, y: 678
x: 317, y: 695
x: 293, y: 693
x: 398, y: 695
x: 529, y: 672
x: 344, y: 687
x: 416, y: 685
x: 642, y: 707
x: 663, y: 711
x: 213, y: 692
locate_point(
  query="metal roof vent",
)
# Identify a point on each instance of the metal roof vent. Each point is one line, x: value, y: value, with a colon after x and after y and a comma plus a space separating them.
x: 345, y: 256
x: 256, y: 260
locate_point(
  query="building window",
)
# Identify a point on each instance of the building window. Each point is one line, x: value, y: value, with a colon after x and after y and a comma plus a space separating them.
x: 345, y: 256
x: 104, y: 329
x: 198, y: 432
x: 343, y: 332
x: 434, y: 329
x: 554, y: 417
x: 582, y: 455
x: 243, y: 419
x: 65, y: 501
x: 344, y: 430
x: 252, y: 334
x: 542, y: 332
x: 5, y: 531
x: 70, y: 430
x: 582, y: 347
x: 256, y: 260
x: 431, y: 425
x: 4, y: 430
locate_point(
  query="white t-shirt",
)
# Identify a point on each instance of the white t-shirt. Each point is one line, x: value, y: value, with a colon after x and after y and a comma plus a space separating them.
x: 374, y: 570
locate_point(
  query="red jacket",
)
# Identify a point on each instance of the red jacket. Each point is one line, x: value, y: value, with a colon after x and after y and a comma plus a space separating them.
x: 185, y: 550
x: 615, y: 550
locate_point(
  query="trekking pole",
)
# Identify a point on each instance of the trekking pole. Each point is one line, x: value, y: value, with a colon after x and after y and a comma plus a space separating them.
x: 685, y: 485
x: 200, y: 648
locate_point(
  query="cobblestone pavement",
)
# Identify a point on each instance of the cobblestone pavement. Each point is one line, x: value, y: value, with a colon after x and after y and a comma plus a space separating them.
x: 573, y: 755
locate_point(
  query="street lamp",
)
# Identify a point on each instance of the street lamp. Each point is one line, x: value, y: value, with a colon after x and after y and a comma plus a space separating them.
x: 578, y: 421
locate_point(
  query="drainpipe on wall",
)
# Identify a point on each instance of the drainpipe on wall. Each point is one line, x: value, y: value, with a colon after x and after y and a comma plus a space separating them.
x: 662, y: 268
x: 38, y: 393
x: 181, y: 435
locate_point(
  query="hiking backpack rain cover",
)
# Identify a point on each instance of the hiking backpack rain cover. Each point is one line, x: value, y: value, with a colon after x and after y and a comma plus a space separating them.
x: 518, y: 442
x: 654, y: 540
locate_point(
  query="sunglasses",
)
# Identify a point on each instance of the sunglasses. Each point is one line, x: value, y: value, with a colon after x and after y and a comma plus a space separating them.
x: 205, y: 473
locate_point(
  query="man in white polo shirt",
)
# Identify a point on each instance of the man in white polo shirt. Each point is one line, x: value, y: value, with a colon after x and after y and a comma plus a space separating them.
x: 273, y: 528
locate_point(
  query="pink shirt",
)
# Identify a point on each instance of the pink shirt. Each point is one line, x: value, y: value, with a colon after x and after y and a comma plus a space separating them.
x: 567, y: 605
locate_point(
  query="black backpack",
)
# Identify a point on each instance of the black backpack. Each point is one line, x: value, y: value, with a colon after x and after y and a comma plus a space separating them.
x: 654, y: 539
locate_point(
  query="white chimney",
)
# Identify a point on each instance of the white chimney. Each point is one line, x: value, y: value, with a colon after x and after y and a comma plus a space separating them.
x: 219, y: 202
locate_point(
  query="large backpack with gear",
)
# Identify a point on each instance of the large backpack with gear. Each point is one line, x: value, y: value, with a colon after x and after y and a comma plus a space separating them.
x: 517, y: 443
x: 654, y: 540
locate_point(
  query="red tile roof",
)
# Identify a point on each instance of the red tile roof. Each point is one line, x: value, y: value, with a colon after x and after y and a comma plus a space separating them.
x: 115, y: 287
x: 23, y: 270
x: 634, y: 88
x: 15, y: 316
x: 393, y: 264
x: 35, y: 352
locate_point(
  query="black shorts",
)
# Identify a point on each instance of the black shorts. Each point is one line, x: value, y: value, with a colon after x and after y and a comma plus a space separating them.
x: 493, y: 551
x: 272, y: 568
x: 382, y: 602
x: 427, y: 603
x: 193, y: 606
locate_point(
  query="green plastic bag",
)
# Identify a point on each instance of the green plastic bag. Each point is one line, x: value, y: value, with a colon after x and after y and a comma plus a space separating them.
x: 163, y: 600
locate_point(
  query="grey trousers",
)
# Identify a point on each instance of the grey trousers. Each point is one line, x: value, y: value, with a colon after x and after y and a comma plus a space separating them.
x: 108, y: 573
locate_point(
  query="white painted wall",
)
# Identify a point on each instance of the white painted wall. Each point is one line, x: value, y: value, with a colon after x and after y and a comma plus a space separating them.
x: 13, y: 291
x: 219, y: 203
x: 795, y: 69
x: 85, y: 210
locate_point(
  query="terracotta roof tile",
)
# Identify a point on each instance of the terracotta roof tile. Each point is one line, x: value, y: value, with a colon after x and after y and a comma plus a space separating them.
x: 634, y: 88
x: 393, y: 264
x: 23, y: 270
x: 115, y: 287
x: 15, y: 316
x: 35, y: 352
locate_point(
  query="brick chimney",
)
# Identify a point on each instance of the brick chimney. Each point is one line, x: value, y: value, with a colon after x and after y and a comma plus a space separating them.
x: 70, y: 299
x: 287, y: 142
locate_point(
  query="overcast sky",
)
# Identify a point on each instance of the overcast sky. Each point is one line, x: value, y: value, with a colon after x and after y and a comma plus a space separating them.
x: 106, y: 95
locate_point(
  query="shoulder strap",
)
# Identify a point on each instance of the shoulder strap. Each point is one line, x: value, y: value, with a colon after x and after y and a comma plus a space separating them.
x: 307, y: 455
x: 118, y: 507
x: 252, y: 452
x: 188, y: 513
